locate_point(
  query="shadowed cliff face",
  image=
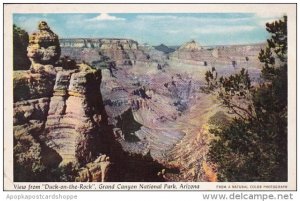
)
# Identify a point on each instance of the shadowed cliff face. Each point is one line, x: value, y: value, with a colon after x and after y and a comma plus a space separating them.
x: 128, y: 126
x: 126, y: 166
x: 71, y: 126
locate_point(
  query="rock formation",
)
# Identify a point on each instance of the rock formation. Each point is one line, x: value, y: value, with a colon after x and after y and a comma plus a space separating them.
x: 43, y: 48
x: 100, y: 52
x: 60, y: 121
x: 32, y: 91
x: 233, y: 56
x: 190, y: 46
x: 57, y: 111
x: 74, y: 114
x: 95, y: 171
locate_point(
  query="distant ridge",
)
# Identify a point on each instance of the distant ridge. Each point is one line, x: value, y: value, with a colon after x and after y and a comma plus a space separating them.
x: 164, y: 48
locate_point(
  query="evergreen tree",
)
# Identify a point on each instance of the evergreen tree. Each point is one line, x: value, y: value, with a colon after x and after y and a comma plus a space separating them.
x: 253, y: 146
x: 20, y: 43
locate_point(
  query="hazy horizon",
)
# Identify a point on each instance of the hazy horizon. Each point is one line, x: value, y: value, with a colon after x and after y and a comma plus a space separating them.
x: 171, y: 29
x: 171, y: 45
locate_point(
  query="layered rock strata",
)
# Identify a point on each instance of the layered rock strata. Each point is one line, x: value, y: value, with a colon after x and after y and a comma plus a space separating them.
x: 57, y: 111
x: 220, y: 56
x: 101, y: 52
x: 74, y: 114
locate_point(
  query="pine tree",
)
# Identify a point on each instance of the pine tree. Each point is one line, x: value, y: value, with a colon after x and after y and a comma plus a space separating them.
x: 253, y: 147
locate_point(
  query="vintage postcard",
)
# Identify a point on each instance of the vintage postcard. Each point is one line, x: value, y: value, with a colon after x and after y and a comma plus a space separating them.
x: 150, y: 97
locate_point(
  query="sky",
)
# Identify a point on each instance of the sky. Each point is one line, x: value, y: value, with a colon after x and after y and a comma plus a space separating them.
x: 167, y: 28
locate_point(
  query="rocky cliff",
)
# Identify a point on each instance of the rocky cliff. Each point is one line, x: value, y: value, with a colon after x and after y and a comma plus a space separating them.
x: 235, y: 56
x: 74, y: 114
x: 57, y: 111
x: 61, y: 128
x: 100, y: 52
x: 120, y: 53
x: 43, y: 47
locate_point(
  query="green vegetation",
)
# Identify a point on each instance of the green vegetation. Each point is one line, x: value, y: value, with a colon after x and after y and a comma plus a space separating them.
x: 219, y: 119
x: 253, y: 146
x: 20, y: 43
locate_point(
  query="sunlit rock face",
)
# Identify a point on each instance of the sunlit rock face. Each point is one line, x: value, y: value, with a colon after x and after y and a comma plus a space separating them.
x: 32, y: 94
x: 230, y: 56
x: 74, y: 115
x: 43, y: 48
x: 55, y: 109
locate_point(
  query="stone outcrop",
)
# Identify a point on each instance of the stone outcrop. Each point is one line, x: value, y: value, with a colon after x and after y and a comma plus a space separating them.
x: 43, y: 48
x: 60, y: 121
x: 33, y: 109
x: 32, y: 90
x: 192, y: 53
x: 95, y: 171
x: 74, y: 114
x: 57, y: 111
x: 29, y: 85
x: 190, y: 46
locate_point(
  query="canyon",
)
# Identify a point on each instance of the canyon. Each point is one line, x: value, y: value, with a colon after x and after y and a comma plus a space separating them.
x: 116, y: 110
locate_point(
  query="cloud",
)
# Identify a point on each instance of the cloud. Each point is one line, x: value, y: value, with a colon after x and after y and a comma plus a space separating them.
x: 106, y: 17
x: 190, y: 19
x: 173, y: 31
